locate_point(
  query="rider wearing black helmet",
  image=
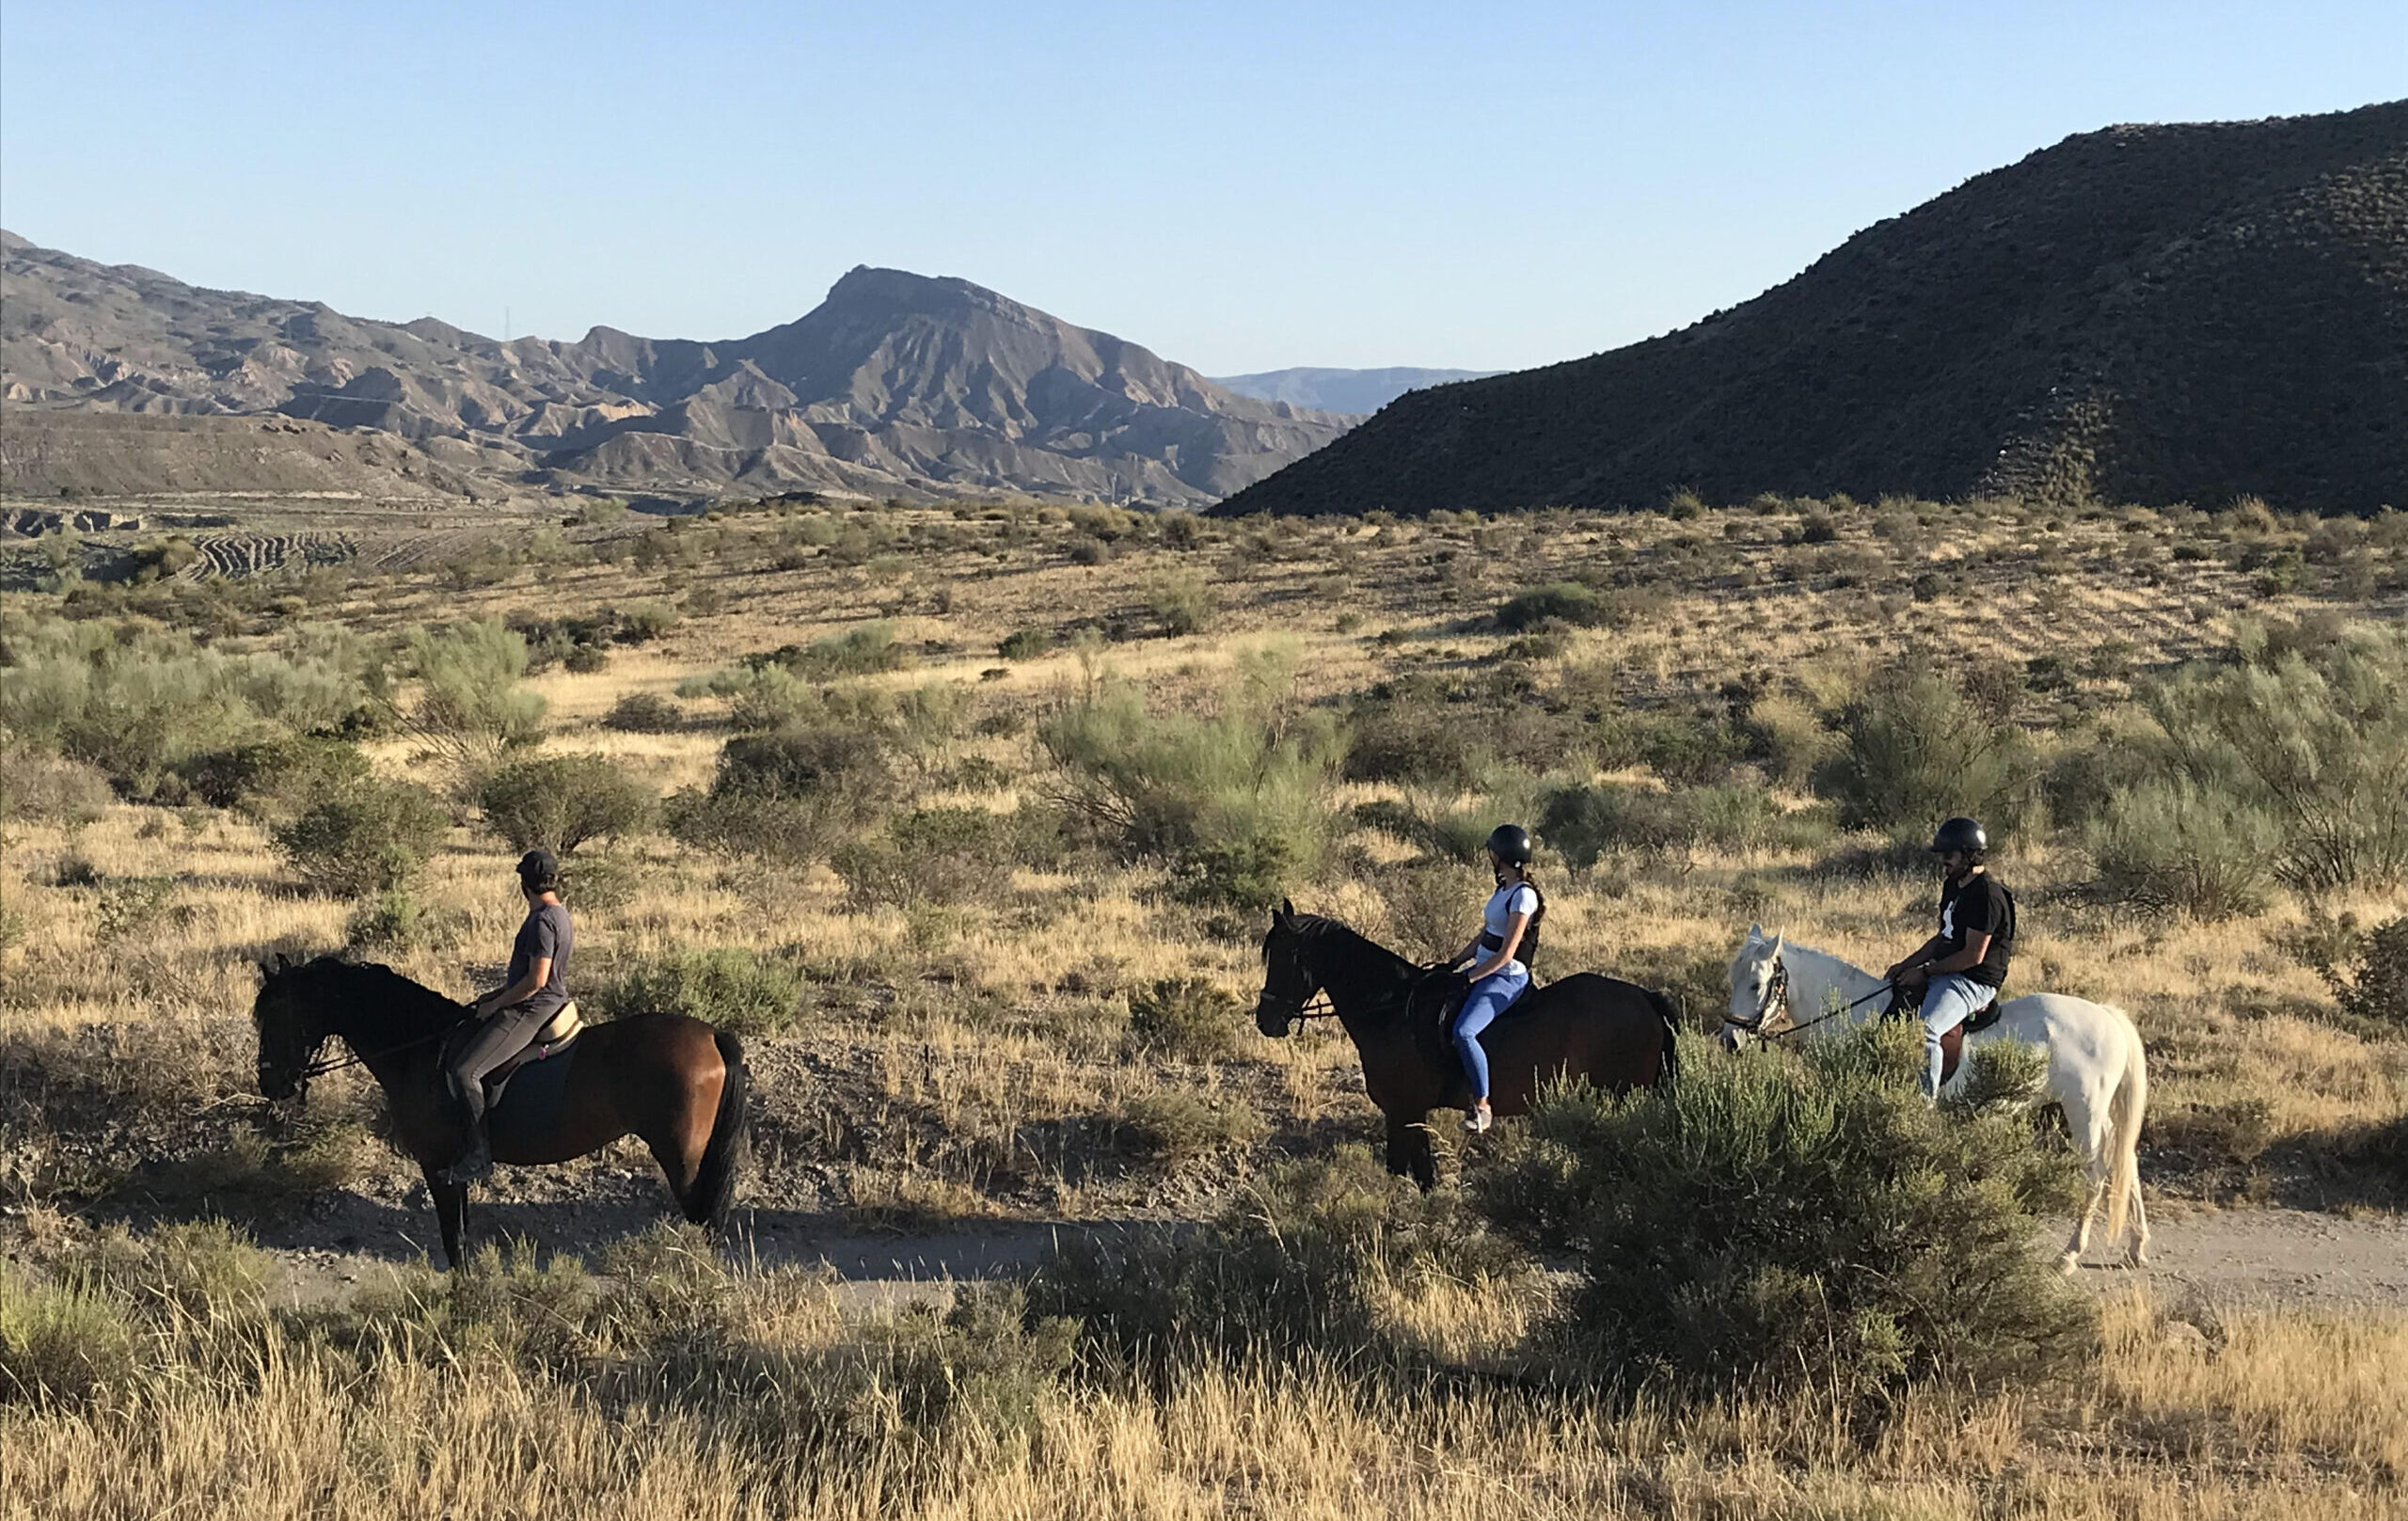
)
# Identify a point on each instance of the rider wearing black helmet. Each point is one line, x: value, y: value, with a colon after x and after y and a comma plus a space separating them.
x: 514, y: 1013
x: 1499, y: 955
x: 1959, y: 970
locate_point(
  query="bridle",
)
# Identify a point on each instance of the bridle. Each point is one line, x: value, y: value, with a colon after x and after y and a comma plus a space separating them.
x: 1775, y: 999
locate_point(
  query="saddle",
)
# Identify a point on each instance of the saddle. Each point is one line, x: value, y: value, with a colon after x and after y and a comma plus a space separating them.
x: 558, y: 1034
x: 1434, y: 1012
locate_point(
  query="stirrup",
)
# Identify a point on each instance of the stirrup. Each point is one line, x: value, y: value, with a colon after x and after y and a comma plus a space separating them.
x: 1478, y: 1120
x: 474, y: 1165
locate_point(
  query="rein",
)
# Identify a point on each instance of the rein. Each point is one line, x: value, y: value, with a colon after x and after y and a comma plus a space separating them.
x: 336, y: 1064
x: 1777, y: 995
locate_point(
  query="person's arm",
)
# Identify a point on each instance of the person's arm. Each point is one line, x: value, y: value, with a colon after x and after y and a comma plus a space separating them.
x: 519, y: 991
x: 1924, y: 955
x: 1515, y: 924
x: 1977, y: 945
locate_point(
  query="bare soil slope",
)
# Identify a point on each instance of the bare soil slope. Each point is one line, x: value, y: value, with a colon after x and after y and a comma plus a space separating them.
x: 2144, y: 314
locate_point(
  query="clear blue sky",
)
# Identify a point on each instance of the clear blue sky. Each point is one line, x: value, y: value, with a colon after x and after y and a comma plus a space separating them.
x: 1237, y: 185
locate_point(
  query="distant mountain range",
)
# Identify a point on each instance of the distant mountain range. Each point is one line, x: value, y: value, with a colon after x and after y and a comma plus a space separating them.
x: 1342, y: 391
x: 898, y: 383
x: 2156, y: 314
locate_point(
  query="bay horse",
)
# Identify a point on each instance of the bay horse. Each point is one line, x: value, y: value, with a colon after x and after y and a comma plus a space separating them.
x: 675, y: 1082
x: 2097, y: 1069
x: 1613, y: 1034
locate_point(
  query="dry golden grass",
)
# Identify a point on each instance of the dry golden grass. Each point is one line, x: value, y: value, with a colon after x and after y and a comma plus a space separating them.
x: 2263, y: 1415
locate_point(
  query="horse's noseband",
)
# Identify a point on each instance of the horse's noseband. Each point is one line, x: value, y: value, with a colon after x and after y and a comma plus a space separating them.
x: 1776, y: 997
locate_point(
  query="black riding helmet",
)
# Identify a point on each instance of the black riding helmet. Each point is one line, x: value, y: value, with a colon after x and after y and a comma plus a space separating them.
x: 1510, y: 842
x: 1960, y: 835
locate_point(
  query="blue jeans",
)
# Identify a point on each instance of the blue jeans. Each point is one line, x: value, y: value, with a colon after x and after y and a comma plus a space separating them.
x: 1482, y: 1004
x: 1951, y: 1000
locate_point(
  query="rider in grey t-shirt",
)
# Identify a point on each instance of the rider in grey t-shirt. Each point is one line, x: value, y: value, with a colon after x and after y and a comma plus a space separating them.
x: 513, y: 1013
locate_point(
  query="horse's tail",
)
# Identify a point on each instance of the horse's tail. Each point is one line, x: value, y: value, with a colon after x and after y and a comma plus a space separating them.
x: 723, y: 1156
x: 1671, y: 1070
x: 2125, y: 1108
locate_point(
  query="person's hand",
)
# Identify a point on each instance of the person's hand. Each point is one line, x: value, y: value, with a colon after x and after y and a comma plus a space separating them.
x: 1913, y: 976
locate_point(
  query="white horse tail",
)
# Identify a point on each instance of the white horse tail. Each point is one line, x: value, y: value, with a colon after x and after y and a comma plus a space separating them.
x: 2125, y: 1109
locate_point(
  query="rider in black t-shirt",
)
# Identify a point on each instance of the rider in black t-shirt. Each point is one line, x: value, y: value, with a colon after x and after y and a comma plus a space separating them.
x: 1960, y: 969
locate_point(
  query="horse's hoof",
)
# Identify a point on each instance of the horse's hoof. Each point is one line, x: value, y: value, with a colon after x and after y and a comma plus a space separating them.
x: 2067, y: 1261
x: 2138, y: 1257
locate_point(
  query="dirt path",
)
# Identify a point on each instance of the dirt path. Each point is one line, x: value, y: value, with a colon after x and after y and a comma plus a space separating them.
x: 2262, y: 1255
x: 2238, y: 1256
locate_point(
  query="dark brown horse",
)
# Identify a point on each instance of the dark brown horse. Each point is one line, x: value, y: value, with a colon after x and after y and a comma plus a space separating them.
x: 1613, y: 1034
x: 675, y: 1082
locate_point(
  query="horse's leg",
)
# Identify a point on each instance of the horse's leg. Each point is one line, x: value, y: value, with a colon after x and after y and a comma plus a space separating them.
x: 2086, y: 1118
x: 451, y: 1213
x: 2138, y: 1255
x: 1409, y: 1151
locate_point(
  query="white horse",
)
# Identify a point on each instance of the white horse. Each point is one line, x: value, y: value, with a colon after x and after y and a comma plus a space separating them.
x: 2097, y: 1068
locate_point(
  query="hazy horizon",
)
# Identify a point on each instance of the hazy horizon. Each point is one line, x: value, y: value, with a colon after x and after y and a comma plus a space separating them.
x: 1242, y: 192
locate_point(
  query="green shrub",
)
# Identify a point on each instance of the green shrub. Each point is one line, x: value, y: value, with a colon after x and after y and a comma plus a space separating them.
x: 1305, y: 1262
x: 1582, y: 823
x: 1025, y: 643
x: 1179, y: 1124
x: 2168, y: 842
x: 387, y: 922
x: 1235, y: 802
x: 369, y: 836
x: 643, y: 713
x: 1564, y: 602
x: 858, y: 650
x: 1798, y: 1220
x: 271, y: 773
x: 727, y: 986
x: 470, y: 708
x: 2310, y: 728
x: 1181, y: 603
x: 1190, y: 1018
x: 1915, y: 749
x: 928, y: 855
x: 2367, y: 969
x: 787, y: 796
x: 61, y: 1344
x: 561, y: 801
x: 53, y: 787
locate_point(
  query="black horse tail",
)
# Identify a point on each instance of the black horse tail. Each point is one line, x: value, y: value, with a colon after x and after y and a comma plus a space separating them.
x: 1664, y: 1011
x: 723, y: 1156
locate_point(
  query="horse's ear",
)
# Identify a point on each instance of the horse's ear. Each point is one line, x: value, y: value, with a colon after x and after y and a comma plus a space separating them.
x: 1287, y: 909
x: 1755, y: 934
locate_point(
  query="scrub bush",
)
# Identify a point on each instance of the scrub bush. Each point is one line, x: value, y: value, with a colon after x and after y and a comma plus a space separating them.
x: 470, y: 706
x: 1916, y: 748
x: 787, y: 796
x: 1798, y: 1221
x: 1236, y: 803
x: 369, y: 837
x: 643, y: 713
x: 561, y: 801
x: 2168, y: 842
x: 1566, y: 602
x: 1582, y: 823
x: 1190, y: 1018
x: 727, y: 986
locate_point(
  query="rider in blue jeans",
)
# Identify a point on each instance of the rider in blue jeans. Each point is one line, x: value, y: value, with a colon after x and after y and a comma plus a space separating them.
x: 1960, y: 969
x: 1498, y: 975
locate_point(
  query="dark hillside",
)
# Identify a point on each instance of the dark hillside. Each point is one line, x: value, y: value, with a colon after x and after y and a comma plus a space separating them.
x: 2144, y: 313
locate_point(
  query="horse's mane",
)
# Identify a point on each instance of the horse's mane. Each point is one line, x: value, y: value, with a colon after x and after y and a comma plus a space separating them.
x: 1342, y: 952
x: 368, y: 1002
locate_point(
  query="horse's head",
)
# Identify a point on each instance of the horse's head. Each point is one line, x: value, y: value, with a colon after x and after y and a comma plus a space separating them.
x: 1288, y: 980
x: 1759, y: 988
x: 289, y: 1027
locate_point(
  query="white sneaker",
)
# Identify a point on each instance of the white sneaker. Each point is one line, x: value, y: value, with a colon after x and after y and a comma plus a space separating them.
x: 1478, y: 1120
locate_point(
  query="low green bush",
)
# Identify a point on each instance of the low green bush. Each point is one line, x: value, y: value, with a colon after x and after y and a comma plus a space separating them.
x: 1179, y: 1124
x: 561, y: 801
x: 1236, y: 803
x: 2168, y: 842
x: 727, y: 986
x: 1563, y: 602
x: 269, y: 773
x: 369, y: 837
x: 644, y: 713
x: 1025, y: 643
x: 1916, y: 748
x: 1584, y: 821
x: 1189, y: 1018
x: 470, y: 708
x: 928, y: 855
x: 1799, y: 1222
x: 788, y: 796
x: 61, y: 1344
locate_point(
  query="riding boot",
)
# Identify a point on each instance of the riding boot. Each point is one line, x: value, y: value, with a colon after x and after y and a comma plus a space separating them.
x: 474, y: 1163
